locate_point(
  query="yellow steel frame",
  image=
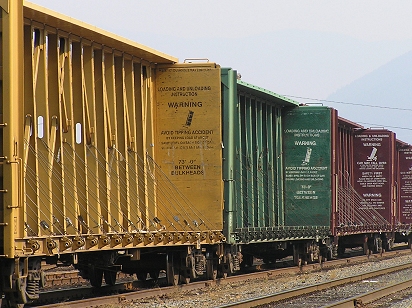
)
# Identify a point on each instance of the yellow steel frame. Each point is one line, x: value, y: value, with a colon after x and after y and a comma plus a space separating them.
x: 78, y: 145
x: 12, y: 112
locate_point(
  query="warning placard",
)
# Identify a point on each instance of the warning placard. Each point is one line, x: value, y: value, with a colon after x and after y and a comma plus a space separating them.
x: 188, y: 133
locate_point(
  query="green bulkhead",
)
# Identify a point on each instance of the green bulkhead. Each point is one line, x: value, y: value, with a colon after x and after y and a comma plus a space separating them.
x: 307, y: 159
x: 252, y: 160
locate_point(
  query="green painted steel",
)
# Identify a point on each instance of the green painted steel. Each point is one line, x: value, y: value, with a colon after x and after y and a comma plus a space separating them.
x: 280, y: 175
x: 266, y: 95
x: 252, y: 160
x: 228, y: 79
x: 307, y: 164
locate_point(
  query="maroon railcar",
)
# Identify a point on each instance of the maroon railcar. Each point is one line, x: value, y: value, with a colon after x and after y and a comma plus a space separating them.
x: 403, y: 215
x: 366, y: 166
x: 404, y: 208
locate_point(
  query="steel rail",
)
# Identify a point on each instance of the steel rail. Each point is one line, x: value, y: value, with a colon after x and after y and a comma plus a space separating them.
x: 371, y: 296
x: 275, y: 297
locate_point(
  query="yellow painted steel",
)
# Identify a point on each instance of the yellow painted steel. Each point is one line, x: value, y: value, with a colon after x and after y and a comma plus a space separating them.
x: 189, y: 147
x: 79, y: 156
x: 80, y: 30
x: 12, y: 133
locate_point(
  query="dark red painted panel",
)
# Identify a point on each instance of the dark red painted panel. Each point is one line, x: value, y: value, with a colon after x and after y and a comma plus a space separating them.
x: 373, y: 170
x: 405, y: 184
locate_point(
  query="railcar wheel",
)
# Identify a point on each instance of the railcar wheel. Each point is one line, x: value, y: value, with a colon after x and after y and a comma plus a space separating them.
x: 172, y: 272
x: 329, y: 254
x: 96, y: 277
x: 154, y: 275
x: 142, y: 276
x: 185, y: 278
x: 224, y: 268
x: 110, y: 277
x: 172, y: 276
x: 248, y: 260
x: 390, y: 244
x: 365, y: 248
x: 211, y: 270
x: 222, y: 274
x: 341, y: 251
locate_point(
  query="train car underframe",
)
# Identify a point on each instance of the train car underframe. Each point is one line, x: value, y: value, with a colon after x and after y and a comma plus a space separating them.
x: 370, y: 242
x: 302, y: 251
x: 305, y: 252
x: 404, y: 236
x: 309, y: 251
x: 22, y: 278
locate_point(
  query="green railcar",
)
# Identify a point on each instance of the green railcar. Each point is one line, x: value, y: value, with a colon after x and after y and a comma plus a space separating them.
x: 307, y: 156
x: 252, y: 161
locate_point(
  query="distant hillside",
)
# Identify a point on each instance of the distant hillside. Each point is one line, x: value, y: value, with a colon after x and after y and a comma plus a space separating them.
x: 388, y: 86
x: 289, y: 62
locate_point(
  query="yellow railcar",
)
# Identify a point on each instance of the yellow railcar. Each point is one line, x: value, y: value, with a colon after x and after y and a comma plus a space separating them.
x: 92, y: 128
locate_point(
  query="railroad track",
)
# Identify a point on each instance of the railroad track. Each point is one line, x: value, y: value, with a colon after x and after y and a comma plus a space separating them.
x: 134, y: 290
x: 372, y: 296
x: 330, y: 294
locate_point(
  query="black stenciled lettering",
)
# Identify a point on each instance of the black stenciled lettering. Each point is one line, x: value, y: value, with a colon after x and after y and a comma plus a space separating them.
x: 190, y: 167
x: 186, y: 172
x: 184, y: 104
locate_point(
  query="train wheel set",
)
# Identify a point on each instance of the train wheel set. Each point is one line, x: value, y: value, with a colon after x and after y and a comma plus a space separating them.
x: 114, y: 158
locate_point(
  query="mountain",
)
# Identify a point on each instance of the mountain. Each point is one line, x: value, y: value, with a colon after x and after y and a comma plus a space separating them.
x: 389, y: 88
x: 290, y: 62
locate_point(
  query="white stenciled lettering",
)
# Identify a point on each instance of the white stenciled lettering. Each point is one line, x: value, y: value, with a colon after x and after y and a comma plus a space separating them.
x: 305, y: 143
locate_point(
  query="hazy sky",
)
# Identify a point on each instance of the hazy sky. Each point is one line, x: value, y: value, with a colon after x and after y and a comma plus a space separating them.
x: 311, y: 40
x: 302, y: 48
x: 367, y: 20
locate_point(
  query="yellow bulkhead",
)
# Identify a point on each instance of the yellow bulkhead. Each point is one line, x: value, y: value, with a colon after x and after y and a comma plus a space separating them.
x: 189, y: 143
